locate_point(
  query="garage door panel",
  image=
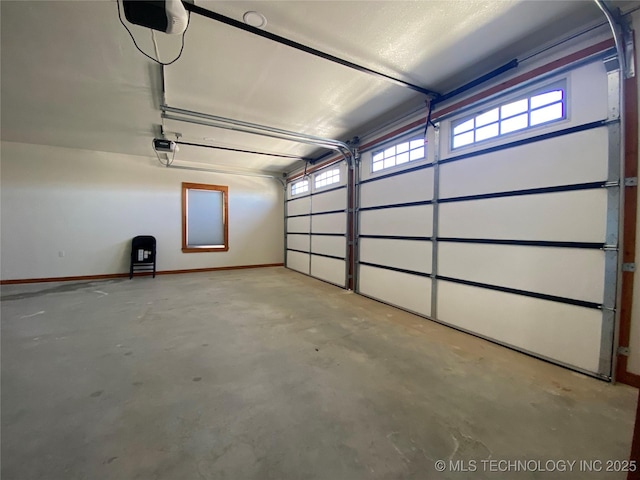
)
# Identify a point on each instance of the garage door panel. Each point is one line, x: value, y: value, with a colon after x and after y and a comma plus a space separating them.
x: 410, y: 187
x: 298, y: 242
x: 404, y: 290
x: 298, y: 224
x: 588, y: 94
x: 328, y: 269
x: 405, y: 221
x: 563, y: 272
x: 574, y: 216
x: 299, y: 206
x: 570, y: 159
x: 547, y: 328
x: 298, y: 261
x: 335, y: 246
x: 329, y: 201
x: 330, y: 223
x: 405, y: 254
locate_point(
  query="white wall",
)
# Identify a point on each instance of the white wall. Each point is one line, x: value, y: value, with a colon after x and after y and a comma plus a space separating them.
x: 90, y: 204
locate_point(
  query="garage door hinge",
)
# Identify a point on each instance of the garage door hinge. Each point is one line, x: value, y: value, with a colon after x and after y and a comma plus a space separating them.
x: 629, y: 267
x: 623, y: 351
x: 631, y: 182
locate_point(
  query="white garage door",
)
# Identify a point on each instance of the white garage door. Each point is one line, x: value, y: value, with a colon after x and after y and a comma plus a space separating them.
x: 317, y: 224
x: 511, y: 232
x: 395, y: 224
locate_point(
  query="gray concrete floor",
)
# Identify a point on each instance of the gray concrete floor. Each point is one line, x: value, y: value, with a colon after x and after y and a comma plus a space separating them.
x: 268, y: 374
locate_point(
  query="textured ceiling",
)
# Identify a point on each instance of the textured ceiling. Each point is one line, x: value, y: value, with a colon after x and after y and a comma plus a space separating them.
x: 71, y: 76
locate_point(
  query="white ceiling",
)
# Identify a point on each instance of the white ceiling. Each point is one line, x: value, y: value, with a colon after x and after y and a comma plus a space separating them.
x: 71, y: 76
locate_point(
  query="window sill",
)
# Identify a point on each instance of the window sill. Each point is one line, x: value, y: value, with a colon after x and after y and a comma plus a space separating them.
x: 204, y: 249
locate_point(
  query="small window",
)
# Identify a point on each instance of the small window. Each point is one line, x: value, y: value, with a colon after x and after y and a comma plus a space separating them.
x: 299, y: 187
x: 536, y: 109
x: 327, y: 178
x: 407, y: 151
x: 205, y: 226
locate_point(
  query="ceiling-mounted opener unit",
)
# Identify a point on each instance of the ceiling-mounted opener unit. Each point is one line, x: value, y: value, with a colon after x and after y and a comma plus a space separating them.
x: 168, y: 16
x: 164, y: 146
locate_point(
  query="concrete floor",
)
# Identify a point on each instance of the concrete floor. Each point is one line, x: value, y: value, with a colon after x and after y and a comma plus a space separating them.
x: 268, y: 374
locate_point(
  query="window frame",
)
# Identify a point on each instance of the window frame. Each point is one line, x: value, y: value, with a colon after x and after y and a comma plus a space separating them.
x: 186, y: 186
x: 394, y: 144
x: 306, y: 190
x: 558, y: 84
x: 329, y: 173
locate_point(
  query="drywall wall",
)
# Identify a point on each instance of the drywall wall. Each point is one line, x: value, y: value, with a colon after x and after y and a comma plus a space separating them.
x: 69, y: 212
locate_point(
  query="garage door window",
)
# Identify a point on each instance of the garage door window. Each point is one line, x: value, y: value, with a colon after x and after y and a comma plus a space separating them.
x: 407, y: 151
x: 538, y: 108
x: 327, y: 178
x: 299, y: 187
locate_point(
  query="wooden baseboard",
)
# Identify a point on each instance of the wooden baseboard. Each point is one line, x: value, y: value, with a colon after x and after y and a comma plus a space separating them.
x: 108, y: 276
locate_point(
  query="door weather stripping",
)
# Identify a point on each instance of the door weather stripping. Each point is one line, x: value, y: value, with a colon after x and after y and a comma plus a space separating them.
x: 215, y: 121
x: 303, y: 48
